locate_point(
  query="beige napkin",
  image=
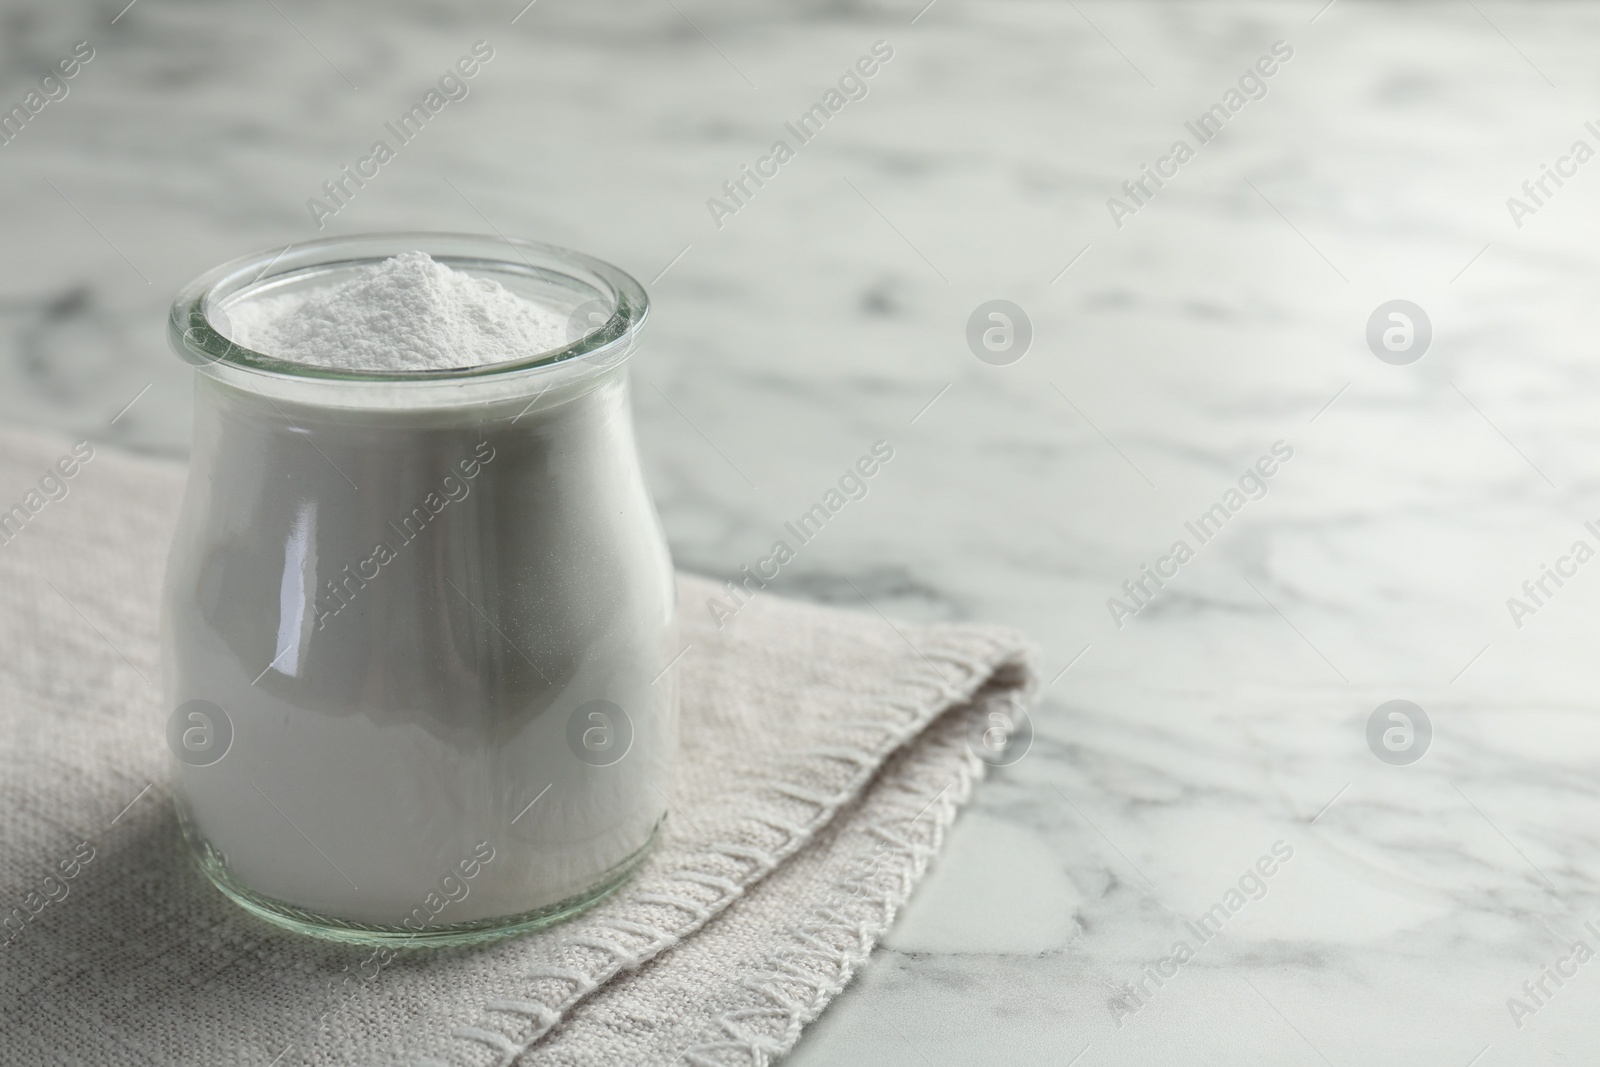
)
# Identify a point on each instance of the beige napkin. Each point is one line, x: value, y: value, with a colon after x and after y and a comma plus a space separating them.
x: 824, y: 754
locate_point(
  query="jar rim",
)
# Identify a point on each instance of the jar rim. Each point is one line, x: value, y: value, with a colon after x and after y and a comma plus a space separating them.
x: 194, y: 336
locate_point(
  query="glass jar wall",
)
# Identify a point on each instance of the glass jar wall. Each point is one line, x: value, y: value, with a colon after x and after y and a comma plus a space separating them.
x: 417, y: 626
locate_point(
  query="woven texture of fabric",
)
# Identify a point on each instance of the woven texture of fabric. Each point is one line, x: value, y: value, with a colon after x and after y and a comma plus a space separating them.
x: 824, y: 754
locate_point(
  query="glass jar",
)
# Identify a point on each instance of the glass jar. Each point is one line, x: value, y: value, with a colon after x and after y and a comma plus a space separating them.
x: 418, y: 627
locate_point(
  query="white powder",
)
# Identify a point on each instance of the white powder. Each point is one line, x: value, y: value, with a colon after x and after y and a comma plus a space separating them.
x: 408, y: 313
x: 431, y: 662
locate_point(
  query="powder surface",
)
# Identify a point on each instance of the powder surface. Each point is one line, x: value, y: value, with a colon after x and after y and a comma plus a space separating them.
x: 404, y: 314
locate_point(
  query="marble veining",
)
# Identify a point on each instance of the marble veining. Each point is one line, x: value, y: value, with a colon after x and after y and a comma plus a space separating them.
x: 1168, y: 353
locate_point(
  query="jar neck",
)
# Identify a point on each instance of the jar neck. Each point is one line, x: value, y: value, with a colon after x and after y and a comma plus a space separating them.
x: 521, y: 400
x: 606, y: 308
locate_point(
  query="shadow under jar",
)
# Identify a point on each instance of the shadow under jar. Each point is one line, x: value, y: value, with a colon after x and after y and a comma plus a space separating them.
x: 418, y: 626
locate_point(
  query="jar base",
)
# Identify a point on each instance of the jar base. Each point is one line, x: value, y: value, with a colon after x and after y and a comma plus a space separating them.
x: 479, y: 931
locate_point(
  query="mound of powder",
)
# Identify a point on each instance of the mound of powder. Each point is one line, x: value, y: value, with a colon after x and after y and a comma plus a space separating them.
x: 404, y: 314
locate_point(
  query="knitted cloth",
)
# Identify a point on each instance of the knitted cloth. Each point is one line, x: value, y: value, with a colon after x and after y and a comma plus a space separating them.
x: 824, y: 754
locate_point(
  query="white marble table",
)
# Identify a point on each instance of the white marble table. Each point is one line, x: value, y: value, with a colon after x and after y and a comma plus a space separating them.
x: 1226, y: 314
